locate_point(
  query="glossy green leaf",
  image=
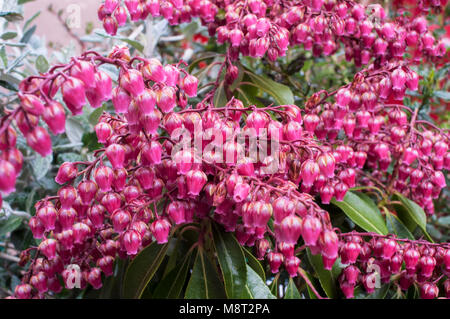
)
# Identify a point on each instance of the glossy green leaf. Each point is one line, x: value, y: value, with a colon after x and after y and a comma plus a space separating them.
x: 141, y: 270
x: 205, y: 282
x: 395, y: 226
x: 292, y: 291
x: 254, y: 263
x: 281, y: 93
x: 232, y: 262
x: 361, y: 210
x: 257, y: 288
x: 411, y: 214
x: 172, y: 284
x: 326, y: 278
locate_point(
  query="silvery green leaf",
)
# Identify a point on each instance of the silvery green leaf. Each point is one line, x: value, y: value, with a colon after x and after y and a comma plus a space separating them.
x: 41, y: 165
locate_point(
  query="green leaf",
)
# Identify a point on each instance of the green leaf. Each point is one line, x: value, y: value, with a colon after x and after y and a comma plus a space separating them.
x: 411, y: 214
x: 232, y: 262
x: 281, y: 93
x: 363, y: 212
x: 28, y: 34
x: 142, y: 269
x: 203, y: 57
x: 395, y: 226
x: 255, y: 264
x: 28, y: 22
x: 326, y: 279
x: 10, y: 10
x: 256, y: 287
x: 41, y: 166
x: 90, y: 141
x: 3, y: 57
x: 11, y: 224
x: 274, y: 290
x: 133, y: 43
x: 172, y: 284
x: 292, y: 291
x: 220, y: 98
x: 74, y: 130
x: 445, y: 95
x: 8, y: 35
x: 205, y: 282
x: 379, y: 293
x: 42, y: 64
x: 95, y: 115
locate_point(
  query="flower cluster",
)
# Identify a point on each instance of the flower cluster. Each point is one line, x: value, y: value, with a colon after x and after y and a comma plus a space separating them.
x: 378, y: 134
x: 257, y: 171
x: 384, y: 259
x: 256, y: 27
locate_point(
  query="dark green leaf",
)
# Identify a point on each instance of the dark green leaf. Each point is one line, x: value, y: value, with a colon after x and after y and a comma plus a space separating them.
x: 411, y: 214
x: 172, y: 284
x: 90, y: 141
x: 257, y: 288
x: 395, y: 226
x: 361, y: 210
x: 326, y: 278
x: 255, y: 264
x: 281, y: 93
x: 379, y: 293
x: 8, y: 86
x: 205, y: 282
x: 232, y: 262
x: 141, y: 270
x: 9, y: 225
x: 292, y: 291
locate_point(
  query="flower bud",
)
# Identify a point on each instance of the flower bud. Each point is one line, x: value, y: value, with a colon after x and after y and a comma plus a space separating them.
x: 160, y: 229
x: 103, y: 176
x: 132, y: 241
x: 66, y: 172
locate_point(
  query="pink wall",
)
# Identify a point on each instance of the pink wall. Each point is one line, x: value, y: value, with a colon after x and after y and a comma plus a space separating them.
x: 48, y: 24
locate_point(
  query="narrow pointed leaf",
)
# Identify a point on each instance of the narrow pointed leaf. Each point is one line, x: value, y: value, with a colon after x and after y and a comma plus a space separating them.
x: 281, y: 93
x: 326, y: 278
x: 172, y: 284
x: 395, y: 226
x: 411, y: 214
x: 205, y: 282
x: 255, y: 264
x: 292, y: 291
x: 141, y: 270
x: 366, y: 215
x: 256, y: 287
x: 232, y: 262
